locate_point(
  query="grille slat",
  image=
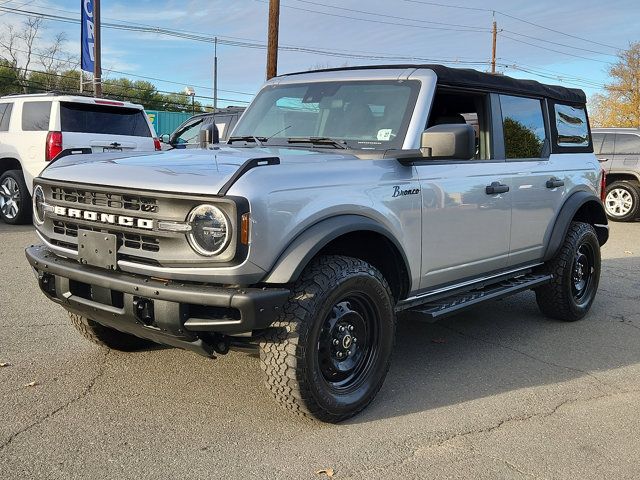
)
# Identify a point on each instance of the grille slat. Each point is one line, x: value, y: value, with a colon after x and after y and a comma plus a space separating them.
x: 130, y: 203
x: 129, y: 240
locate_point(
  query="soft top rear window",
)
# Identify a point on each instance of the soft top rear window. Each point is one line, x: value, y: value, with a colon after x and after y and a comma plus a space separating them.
x: 103, y: 119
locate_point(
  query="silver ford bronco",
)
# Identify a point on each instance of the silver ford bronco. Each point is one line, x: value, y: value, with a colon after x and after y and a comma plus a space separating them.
x: 343, y: 199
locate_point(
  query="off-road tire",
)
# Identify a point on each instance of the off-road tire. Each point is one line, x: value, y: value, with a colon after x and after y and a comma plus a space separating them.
x: 24, y: 211
x: 557, y: 299
x: 633, y: 190
x: 291, y: 352
x: 107, y: 337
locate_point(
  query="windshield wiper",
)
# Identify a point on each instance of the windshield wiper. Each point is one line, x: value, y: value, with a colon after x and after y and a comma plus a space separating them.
x: 319, y: 141
x: 248, y: 138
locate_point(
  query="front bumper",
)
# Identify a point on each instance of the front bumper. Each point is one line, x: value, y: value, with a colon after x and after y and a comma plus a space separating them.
x: 180, y: 314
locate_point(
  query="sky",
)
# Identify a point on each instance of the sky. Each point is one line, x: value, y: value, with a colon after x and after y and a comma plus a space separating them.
x: 571, y: 43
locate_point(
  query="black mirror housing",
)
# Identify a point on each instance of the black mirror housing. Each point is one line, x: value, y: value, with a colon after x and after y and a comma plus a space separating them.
x: 449, y: 141
x: 209, y: 135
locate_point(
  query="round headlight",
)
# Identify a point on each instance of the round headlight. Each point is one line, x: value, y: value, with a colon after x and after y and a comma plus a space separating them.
x: 210, y: 230
x: 38, y: 205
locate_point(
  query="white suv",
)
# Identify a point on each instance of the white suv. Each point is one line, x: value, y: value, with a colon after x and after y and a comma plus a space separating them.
x: 35, y: 129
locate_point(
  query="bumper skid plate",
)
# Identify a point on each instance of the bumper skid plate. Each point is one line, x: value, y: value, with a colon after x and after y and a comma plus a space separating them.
x: 180, y: 314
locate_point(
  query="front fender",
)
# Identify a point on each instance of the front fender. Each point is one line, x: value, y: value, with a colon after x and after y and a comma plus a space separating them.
x: 305, y: 246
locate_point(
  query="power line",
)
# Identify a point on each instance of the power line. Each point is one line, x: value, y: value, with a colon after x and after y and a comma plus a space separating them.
x: 382, y: 22
x: 557, y: 43
x: 556, y: 51
x: 208, y: 39
x: 390, y: 16
x: 513, y: 17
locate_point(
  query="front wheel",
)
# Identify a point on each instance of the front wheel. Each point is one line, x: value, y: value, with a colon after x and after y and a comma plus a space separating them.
x: 15, y: 201
x: 329, y: 352
x: 576, y: 274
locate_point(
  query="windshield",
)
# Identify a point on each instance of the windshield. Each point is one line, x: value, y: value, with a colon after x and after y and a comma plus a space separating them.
x: 362, y: 114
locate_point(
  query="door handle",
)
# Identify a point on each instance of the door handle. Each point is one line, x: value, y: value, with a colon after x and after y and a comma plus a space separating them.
x: 495, y: 188
x: 554, y: 182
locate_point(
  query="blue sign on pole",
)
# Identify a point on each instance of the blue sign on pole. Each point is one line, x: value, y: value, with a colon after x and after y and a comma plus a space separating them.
x: 87, y: 38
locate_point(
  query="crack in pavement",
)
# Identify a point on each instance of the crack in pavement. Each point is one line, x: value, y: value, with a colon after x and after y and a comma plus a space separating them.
x: 80, y: 396
x: 34, y: 325
x: 528, y: 355
x: 413, y: 451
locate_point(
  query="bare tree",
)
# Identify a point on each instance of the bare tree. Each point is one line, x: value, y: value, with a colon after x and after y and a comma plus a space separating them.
x: 19, y: 46
x: 53, y: 58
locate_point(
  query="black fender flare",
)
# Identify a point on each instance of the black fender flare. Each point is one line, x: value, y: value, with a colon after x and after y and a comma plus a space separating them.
x: 297, y: 255
x: 594, y: 214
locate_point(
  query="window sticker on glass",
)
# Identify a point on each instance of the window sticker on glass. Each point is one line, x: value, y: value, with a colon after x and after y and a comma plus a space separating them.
x: 384, y: 134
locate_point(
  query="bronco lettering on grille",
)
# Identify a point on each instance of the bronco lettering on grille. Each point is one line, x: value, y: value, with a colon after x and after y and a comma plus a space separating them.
x: 109, y: 218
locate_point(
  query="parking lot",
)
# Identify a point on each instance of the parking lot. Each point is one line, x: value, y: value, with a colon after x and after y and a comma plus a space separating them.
x: 495, y: 392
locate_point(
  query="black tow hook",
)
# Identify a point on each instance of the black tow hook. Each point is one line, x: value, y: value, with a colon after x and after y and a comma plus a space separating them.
x: 221, y: 344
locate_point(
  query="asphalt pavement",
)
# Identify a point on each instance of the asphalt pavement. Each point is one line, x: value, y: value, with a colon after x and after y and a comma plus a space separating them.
x: 495, y: 392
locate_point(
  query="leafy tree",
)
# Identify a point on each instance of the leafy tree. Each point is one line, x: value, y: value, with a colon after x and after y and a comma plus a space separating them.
x: 9, y: 81
x: 519, y: 141
x: 619, y: 106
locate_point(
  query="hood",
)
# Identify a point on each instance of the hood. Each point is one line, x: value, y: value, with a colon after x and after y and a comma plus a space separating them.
x: 193, y: 171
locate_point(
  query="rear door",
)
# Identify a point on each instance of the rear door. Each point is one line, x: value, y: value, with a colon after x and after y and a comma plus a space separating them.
x: 527, y: 151
x: 104, y: 128
x: 603, y: 147
x: 627, y: 154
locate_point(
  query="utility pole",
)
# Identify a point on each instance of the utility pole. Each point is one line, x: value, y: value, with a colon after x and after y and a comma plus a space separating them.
x: 81, y: 80
x: 272, y: 43
x: 493, y: 49
x: 97, y: 68
x: 215, y: 74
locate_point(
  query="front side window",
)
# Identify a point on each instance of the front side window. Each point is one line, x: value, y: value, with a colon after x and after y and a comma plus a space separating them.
x: 360, y: 114
x: 627, y: 144
x: 523, y: 126
x: 35, y: 116
x: 189, y: 134
x: 103, y: 119
x: 572, y: 126
x: 5, y: 116
x: 607, y: 144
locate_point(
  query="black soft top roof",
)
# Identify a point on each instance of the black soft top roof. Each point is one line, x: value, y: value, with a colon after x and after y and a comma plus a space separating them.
x: 467, y: 77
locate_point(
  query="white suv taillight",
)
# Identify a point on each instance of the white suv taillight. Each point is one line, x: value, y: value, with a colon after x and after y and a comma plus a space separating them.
x: 54, y: 145
x: 156, y: 144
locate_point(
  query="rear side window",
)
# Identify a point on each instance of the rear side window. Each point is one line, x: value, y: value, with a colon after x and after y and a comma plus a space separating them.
x: 103, y: 119
x: 35, y: 116
x: 572, y: 126
x: 627, y: 144
x: 5, y: 116
x: 523, y: 126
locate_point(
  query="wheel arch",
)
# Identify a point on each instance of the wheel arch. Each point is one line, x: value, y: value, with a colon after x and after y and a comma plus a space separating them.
x: 583, y: 207
x: 622, y: 177
x: 351, y: 235
x: 9, y: 163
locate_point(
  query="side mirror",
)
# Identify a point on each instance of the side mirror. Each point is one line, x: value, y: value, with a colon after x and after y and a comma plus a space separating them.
x: 164, y: 138
x: 449, y: 141
x: 209, y: 135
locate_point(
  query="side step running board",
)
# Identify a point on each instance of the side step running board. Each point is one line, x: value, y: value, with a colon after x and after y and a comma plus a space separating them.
x: 437, y: 309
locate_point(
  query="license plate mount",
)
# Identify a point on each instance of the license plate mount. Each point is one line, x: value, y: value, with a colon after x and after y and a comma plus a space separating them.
x: 97, y: 249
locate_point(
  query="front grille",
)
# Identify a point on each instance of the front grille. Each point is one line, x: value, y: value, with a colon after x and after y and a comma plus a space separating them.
x: 128, y: 240
x: 118, y: 201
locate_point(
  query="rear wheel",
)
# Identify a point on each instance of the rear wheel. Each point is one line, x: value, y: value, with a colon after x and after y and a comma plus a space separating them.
x: 15, y: 201
x: 107, y: 337
x: 328, y: 354
x: 622, y: 202
x: 576, y: 274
